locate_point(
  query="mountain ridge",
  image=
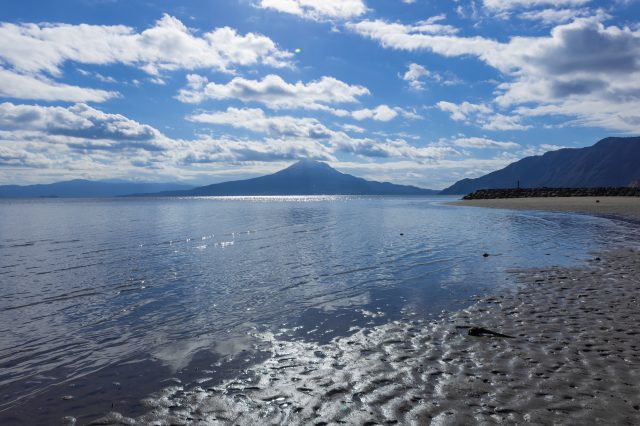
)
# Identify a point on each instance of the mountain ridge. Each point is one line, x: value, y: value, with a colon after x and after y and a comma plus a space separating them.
x: 305, y: 177
x: 83, y: 188
x: 611, y: 162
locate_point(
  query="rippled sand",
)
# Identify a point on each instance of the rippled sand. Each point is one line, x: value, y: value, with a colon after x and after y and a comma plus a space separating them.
x: 574, y: 359
x: 624, y: 206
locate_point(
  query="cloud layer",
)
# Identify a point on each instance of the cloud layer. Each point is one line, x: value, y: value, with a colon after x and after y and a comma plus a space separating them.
x: 317, y: 9
x: 583, y: 69
x: 32, y: 54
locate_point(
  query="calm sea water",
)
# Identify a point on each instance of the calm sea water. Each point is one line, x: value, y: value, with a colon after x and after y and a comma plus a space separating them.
x: 93, y: 289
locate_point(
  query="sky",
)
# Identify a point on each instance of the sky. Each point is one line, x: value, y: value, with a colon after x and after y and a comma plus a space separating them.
x: 419, y: 92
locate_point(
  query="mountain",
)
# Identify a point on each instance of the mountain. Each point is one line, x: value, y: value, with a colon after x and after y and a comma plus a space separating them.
x: 79, y: 188
x: 610, y: 162
x: 305, y: 177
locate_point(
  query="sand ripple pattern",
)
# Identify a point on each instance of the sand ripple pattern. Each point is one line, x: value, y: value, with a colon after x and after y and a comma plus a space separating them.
x: 573, y: 360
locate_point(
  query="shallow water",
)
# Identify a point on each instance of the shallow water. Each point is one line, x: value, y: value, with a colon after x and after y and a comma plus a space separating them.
x: 90, y: 287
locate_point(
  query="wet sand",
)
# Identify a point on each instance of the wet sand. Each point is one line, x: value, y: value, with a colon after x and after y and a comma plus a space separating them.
x: 620, y: 206
x: 574, y: 359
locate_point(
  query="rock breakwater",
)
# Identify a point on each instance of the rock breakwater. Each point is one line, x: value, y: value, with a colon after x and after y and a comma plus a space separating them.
x: 488, y: 194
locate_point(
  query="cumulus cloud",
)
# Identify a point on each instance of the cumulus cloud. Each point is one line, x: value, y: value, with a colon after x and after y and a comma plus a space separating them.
x: 317, y: 9
x: 461, y: 112
x: 168, y: 45
x: 380, y: 113
x: 352, y: 128
x: 91, y: 142
x: 19, y: 86
x: 275, y: 93
x: 390, y: 149
x: 301, y: 128
x: 558, y: 16
x: 414, y: 75
x: 482, y: 115
x: 66, y: 142
x: 579, y: 64
x: 81, y: 122
x: 85, y: 139
x: 514, y: 4
x: 210, y: 150
x: 483, y: 143
x: 31, y: 54
x: 255, y: 120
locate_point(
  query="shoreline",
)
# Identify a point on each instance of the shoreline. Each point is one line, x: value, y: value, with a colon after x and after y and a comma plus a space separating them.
x: 573, y: 359
x: 626, y: 207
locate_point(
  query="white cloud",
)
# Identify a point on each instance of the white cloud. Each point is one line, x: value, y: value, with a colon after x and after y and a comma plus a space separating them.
x: 437, y: 174
x: 86, y: 140
x: 83, y: 141
x: 275, y: 93
x: 210, y: 150
x: 352, y: 128
x: 255, y: 120
x: 80, y: 141
x: 392, y: 148
x: 483, y: 143
x: 482, y: 115
x: 583, y: 69
x: 556, y: 16
x: 500, y: 5
x: 414, y: 75
x: 19, y: 86
x: 424, y: 35
x: 169, y: 45
x: 317, y: 9
x: 380, y: 113
x: 82, y: 122
x: 461, y: 112
x: 288, y: 127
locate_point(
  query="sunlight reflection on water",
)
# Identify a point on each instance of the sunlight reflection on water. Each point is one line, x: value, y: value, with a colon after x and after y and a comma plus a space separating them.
x: 91, y: 283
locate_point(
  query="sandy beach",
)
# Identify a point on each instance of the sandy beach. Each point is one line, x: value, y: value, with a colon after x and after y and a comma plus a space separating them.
x: 621, y: 206
x: 572, y: 358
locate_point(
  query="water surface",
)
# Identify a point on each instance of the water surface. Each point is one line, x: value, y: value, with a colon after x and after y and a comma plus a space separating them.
x: 94, y: 287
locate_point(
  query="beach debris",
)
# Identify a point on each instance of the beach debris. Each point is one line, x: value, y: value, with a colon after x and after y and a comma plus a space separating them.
x: 481, y: 331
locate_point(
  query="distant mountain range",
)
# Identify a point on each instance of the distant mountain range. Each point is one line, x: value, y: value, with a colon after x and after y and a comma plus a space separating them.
x: 80, y: 188
x: 610, y: 162
x: 306, y: 177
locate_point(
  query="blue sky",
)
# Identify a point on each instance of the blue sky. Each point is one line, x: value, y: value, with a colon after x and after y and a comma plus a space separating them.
x: 412, y: 91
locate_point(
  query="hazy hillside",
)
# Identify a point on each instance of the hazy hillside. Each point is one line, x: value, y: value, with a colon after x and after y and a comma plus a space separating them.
x: 305, y: 177
x: 610, y: 162
x: 85, y: 189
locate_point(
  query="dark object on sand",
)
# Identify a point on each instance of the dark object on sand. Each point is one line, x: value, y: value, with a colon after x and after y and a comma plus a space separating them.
x: 480, y: 332
x: 597, y: 201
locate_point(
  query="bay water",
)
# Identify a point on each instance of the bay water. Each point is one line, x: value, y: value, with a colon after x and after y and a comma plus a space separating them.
x: 103, y: 301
